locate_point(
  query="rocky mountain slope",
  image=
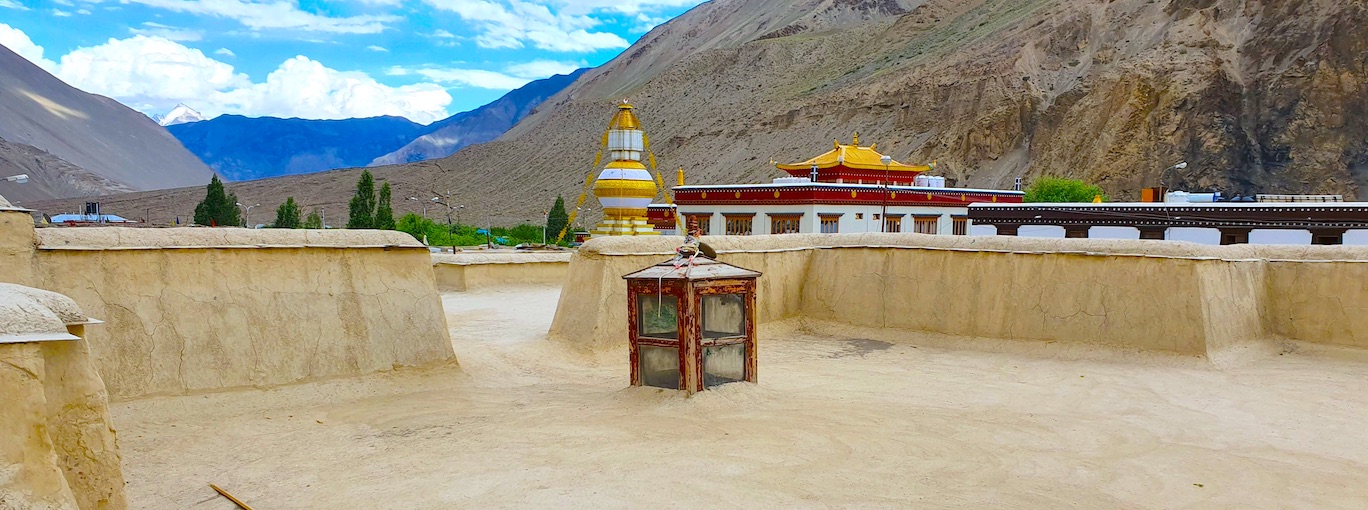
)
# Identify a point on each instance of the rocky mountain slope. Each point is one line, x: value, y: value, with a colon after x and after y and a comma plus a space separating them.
x: 49, y: 176
x: 479, y: 125
x: 112, y: 148
x: 244, y: 148
x: 1256, y: 95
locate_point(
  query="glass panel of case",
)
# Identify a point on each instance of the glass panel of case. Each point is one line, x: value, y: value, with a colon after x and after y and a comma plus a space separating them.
x: 723, y: 364
x: 658, y: 316
x: 659, y: 366
x: 724, y: 315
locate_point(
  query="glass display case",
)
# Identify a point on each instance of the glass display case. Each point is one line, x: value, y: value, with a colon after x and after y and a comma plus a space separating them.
x: 692, y: 327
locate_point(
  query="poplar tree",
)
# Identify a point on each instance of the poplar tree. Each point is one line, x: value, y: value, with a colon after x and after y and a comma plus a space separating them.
x: 384, y: 214
x: 556, y: 220
x: 362, y: 206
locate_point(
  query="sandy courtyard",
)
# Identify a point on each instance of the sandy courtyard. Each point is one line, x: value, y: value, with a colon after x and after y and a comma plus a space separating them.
x: 833, y: 423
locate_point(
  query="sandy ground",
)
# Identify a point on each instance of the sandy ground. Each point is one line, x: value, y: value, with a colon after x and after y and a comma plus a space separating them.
x: 833, y: 423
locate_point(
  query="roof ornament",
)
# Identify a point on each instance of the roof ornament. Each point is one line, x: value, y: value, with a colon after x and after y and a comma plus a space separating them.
x: 856, y: 141
x: 871, y: 146
x: 835, y: 144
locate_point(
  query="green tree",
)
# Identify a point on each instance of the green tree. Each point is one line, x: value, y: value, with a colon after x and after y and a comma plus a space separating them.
x: 362, y: 206
x: 1056, y: 189
x: 556, y: 220
x: 384, y: 215
x: 219, y: 208
x: 313, y: 221
x: 287, y: 215
x: 415, y: 225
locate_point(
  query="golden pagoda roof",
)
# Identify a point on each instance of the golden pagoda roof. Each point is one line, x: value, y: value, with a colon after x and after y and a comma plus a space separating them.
x: 852, y: 156
x: 625, y: 119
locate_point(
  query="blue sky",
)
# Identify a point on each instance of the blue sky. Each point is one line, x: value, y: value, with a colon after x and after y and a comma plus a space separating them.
x: 422, y: 59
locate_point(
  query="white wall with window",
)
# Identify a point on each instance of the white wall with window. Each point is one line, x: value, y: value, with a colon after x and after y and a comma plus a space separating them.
x: 814, y: 218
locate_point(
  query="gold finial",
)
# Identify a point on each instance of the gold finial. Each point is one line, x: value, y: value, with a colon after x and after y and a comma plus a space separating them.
x: 871, y: 146
x: 835, y: 144
x: 680, y: 176
x: 856, y: 141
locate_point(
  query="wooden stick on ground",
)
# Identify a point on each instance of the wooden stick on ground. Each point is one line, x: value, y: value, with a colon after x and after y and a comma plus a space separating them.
x: 230, y: 497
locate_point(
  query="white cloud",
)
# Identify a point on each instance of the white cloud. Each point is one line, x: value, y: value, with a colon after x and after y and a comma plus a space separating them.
x: 512, y: 77
x: 580, y: 7
x: 538, y: 69
x: 646, y: 22
x: 83, y: 12
x: 516, y: 23
x: 381, y: 49
x: 11, y: 4
x: 443, y: 34
x: 147, y: 70
x: 477, y: 78
x: 301, y: 87
x: 153, y: 74
x: 60, y: 13
x: 225, y: 52
x: 17, y: 41
x: 167, y: 32
x: 274, y: 14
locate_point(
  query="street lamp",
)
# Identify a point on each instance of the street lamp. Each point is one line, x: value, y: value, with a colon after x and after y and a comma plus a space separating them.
x: 415, y: 199
x: 883, y: 216
x: 445, y: 201
x: 246, y: 214
x: 1181, y: 165
x: 20, y: 179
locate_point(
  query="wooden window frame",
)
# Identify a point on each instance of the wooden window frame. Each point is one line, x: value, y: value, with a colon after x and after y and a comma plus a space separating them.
x: 728, y: 218
x: 918, y: 220
x: 891, y: 221
x: 704, y: 222
x: 834, y: 219
x: 959, y: 225
x: 776, y: 218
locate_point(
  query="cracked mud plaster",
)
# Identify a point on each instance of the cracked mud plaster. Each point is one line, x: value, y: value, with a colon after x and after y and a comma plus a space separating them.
x: 1172, y: 297
x: 254, y: 312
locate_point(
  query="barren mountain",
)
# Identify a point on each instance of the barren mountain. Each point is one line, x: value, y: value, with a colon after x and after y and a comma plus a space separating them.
x: 97, y: 134
x: 1256, y: 95
x: 49, y: 176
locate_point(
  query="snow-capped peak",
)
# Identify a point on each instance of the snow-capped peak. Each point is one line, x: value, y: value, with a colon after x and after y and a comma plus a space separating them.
x: 181, y: 114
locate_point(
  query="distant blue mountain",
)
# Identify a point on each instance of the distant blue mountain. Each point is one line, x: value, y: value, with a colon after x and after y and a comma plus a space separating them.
x: 248, y: 148
x: 480, y: 125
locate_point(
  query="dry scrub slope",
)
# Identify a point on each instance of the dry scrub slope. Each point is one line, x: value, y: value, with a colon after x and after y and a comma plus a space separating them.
x: 1256, y: 95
